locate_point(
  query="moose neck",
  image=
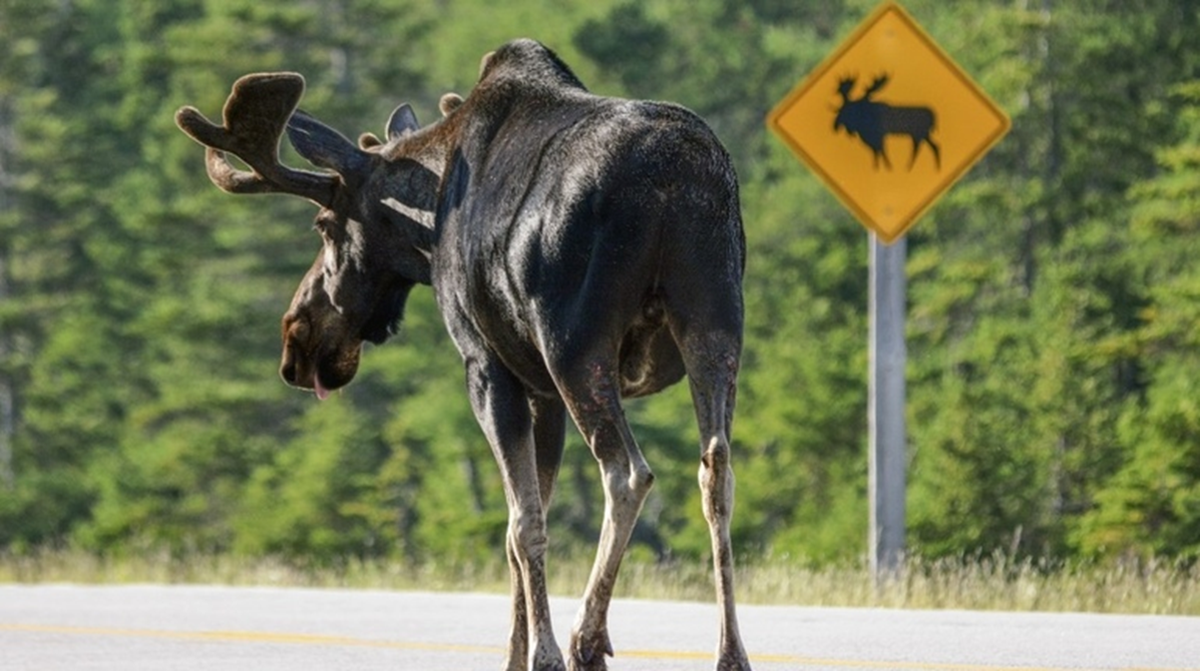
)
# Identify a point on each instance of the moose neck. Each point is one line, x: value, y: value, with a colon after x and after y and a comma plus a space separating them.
x: 412, y: 244
x: 417, y: 162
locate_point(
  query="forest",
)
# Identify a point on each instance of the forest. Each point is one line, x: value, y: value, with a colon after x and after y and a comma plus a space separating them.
x: 1053, y: 325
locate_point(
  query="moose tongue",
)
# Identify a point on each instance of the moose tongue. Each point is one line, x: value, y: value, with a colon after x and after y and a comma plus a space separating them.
x: 321, y: 391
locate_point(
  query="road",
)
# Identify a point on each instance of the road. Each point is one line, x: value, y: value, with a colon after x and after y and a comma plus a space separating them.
x: 133, y: 628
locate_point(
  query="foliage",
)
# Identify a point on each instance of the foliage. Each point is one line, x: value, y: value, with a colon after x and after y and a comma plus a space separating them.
x: 1052, y: 321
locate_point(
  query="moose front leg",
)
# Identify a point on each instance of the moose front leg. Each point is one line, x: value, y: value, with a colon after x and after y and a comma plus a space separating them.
x: 518, y: 636
x: 549, y: 417
x: 549, y: 432
x: 503, y: 409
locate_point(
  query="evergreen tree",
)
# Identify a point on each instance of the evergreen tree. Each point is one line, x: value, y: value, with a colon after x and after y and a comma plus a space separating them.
x: 1150, y: 506
x: 1052, y: 292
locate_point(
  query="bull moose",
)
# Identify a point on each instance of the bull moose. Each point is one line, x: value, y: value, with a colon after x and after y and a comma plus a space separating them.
x: 581, y: 249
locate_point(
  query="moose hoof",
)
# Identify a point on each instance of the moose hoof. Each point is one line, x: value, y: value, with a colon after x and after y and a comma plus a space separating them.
x: 548, y: 663
x: 588, y: 652
x: 733, y: 661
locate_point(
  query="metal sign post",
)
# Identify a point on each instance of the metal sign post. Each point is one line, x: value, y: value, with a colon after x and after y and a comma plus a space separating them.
x: 885, y: 408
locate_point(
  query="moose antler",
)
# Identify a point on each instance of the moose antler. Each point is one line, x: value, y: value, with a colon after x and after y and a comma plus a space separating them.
x: 880, y: 82
x: 255, y: 115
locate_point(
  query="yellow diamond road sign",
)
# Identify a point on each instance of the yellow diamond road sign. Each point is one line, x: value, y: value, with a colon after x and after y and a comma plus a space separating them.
x: 889, y: 121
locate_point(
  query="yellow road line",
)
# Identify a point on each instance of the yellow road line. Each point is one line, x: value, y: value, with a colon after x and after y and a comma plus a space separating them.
x: 250, y: 637
x: 792, y: 661
x: 801, y: 661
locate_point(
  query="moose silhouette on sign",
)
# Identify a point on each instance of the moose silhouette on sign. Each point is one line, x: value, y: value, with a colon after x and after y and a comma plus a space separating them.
x: 872, y: 121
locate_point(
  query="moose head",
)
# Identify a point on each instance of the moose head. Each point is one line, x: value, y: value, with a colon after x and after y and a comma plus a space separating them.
x: 375, y: 219
x: 848, y: 116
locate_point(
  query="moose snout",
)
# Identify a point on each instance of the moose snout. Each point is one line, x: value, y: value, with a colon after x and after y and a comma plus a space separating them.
x: 295, y: 367
x: 317, y: 358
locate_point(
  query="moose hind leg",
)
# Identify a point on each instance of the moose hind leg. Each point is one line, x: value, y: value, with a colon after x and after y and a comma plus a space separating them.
x: 712, y: 361
x: 916, y: 149
x: 594, y: 401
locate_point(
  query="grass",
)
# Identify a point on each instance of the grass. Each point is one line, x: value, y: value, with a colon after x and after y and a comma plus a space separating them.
x: 992, y: 582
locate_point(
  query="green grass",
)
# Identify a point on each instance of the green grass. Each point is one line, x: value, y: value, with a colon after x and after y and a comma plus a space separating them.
x: 979, y: 583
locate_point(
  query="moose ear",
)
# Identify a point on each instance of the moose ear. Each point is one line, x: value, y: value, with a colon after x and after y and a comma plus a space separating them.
x: 369, y: 141
x: 449, y: 103
x: 324, y: 146
x: 402, y: 122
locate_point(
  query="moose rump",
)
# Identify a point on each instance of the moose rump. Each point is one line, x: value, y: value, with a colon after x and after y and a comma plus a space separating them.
x: 603, y: 236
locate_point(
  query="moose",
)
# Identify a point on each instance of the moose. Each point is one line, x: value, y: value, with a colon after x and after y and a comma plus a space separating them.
x: 581, y: 249
x: 873, y: 121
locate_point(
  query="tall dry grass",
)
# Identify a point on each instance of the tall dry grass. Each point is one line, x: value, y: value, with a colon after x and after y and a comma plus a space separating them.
x: 988, y: 582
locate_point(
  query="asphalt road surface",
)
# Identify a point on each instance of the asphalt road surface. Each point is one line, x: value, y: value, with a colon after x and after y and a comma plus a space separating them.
x: 134, y: 628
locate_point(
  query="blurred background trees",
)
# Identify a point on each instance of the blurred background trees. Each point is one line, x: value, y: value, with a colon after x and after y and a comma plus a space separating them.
x: 1054, y: 348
